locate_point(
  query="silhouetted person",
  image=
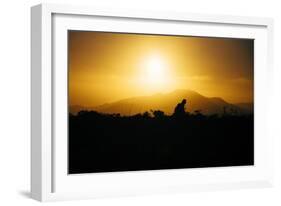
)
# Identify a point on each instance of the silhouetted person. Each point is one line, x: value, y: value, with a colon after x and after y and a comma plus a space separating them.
x: 180, y: 109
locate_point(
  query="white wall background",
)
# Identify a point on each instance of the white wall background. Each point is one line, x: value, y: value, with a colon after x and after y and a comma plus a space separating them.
x: 15, y: 102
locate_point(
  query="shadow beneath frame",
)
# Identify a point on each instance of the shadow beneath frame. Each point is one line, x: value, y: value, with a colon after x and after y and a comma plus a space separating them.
x: 25, y: 193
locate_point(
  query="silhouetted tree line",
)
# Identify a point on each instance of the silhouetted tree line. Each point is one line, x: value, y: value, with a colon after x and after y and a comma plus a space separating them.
x: 153, y: 140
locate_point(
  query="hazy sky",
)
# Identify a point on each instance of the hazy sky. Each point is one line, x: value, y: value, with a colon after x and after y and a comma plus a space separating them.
x: 106, y: 67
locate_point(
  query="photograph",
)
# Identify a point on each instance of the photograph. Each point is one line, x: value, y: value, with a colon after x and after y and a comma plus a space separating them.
x: 140, y: 102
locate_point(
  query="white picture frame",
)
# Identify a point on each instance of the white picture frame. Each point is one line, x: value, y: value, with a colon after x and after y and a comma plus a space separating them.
x: 49, y: 178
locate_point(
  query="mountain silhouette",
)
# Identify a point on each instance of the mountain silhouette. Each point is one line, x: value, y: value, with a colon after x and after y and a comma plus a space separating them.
x: 167, y: 103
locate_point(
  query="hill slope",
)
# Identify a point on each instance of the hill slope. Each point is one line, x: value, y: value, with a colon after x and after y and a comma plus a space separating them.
x: 166, y: 103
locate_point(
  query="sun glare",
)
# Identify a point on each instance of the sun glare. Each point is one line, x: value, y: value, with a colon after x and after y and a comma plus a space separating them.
x: 156, y: 70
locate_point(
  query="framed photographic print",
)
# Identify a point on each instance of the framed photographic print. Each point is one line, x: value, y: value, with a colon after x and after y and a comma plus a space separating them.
x: 137, y: 102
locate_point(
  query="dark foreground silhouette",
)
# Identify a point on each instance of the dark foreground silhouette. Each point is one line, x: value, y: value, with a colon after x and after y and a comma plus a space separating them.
x: 153, y: 140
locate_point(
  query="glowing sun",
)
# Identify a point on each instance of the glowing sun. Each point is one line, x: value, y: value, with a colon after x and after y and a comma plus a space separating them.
x: 156, y: 70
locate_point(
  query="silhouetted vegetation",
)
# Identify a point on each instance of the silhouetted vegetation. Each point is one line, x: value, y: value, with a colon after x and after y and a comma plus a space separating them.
x: 153, y: 140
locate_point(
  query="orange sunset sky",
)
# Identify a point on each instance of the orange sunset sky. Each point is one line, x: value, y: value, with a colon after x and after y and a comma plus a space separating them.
x: 106, y: 67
